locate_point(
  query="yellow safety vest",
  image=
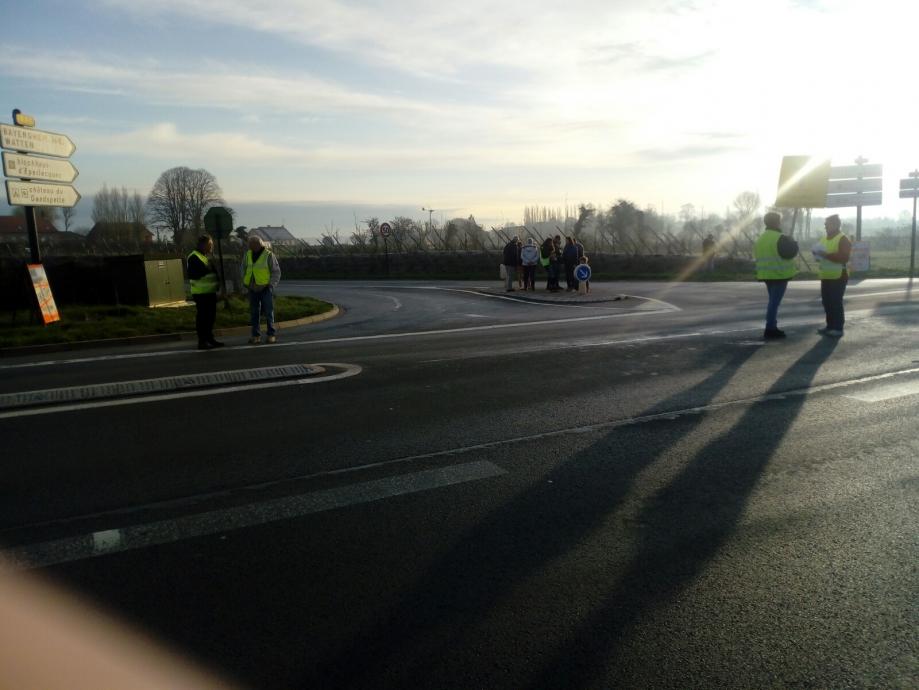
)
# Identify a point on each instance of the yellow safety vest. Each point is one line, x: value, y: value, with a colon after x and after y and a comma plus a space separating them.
x: 769, y: 265
x: 830, y: 270
x: 210, y: 283
x: 260, y: 269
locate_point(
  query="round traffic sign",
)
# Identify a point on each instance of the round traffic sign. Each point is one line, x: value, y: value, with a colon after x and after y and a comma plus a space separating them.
x: 582, y: 272
x: 385, y: 229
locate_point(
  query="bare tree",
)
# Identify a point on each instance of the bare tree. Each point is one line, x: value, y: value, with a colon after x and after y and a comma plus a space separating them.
x: 68, y: 214
x: 179, y: 200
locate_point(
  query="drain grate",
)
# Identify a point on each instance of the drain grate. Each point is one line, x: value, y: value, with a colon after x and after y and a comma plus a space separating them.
x: 53, y: 396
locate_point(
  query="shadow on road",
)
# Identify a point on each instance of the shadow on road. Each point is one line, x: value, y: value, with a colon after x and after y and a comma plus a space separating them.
x: 557, y: 513
x: 691, y: 520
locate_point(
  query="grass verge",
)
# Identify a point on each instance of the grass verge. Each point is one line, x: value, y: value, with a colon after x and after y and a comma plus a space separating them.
x: 100, y: 322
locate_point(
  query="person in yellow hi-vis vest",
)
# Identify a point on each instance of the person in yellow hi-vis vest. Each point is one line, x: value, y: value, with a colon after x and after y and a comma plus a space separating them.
x: 775, y: 266
x: 261, y: 275
x: 204, y: 284
x: 833, y: 252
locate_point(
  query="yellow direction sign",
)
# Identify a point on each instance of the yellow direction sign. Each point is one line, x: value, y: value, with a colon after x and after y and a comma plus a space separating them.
x: 41, y: 194
x: 33, y: 168
x: 30, y: 140
x: 802, y: 182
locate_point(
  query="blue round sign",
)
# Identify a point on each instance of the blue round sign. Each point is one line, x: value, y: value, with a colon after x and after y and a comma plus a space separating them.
x: 582, y: 272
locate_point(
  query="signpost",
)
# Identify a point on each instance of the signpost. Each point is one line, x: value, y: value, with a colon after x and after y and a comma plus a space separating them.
x: 909, y: 189
x: 805, y: 182
x: 385, y: 232
x: 858, y: 185
x: 582, y: 275
x: 25, y: 191
x: 23, y: 138
x: 218, y: 221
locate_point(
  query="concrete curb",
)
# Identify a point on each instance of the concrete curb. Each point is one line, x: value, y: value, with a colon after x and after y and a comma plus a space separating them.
x: 159, y: 338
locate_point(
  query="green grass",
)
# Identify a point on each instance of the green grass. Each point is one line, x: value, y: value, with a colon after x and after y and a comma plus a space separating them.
x: 93, y: 322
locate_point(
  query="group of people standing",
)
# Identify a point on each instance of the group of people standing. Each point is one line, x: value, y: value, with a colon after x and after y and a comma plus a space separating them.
x: 261, y: 274
x: 520, y: 262
x: 775, y: 254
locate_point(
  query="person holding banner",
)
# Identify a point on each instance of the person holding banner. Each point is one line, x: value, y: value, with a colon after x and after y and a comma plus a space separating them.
x: 833, y: 253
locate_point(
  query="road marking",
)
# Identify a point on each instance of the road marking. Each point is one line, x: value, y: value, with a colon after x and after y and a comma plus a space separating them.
x: 326, y: 341
x: 167, y: 384
x: 396, y: 302
x: 349, y: 370
x: 887, y: 392
x: 111, y: 541
x: 642, y: 419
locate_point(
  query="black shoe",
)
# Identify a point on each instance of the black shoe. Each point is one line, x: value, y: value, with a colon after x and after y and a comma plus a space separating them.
x: 205, y: 346
x: 773, y: 334
x: 216, y: 343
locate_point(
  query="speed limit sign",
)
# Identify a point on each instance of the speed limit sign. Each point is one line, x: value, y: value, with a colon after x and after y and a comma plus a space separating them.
x: 385, y: 229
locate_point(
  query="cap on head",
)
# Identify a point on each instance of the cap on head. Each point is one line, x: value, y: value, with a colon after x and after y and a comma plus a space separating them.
x: 773, y: 220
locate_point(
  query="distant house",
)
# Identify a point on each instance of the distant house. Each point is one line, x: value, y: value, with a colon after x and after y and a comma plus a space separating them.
x: 133, y: 234
x: 14, y: 227
x: 275, y: 236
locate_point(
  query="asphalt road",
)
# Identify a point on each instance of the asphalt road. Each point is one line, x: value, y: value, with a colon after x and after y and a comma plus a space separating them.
x: 488, y: 492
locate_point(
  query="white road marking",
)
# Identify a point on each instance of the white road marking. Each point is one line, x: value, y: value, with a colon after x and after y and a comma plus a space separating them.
x: 397, y: 303
x: 887, y: 392
x: 350, y: 370
x: 668, y: 415
x: 325, y: 341
x: 111, y: 541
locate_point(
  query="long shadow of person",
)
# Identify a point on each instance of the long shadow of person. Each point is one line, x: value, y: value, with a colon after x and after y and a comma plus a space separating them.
x: 554, y: 514
x: 688, y: 522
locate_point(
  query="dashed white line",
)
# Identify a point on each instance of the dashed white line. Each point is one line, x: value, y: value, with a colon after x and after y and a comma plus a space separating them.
x: 111, y: 541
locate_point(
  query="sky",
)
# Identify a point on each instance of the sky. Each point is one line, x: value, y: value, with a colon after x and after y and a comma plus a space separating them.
x: 332, y: 109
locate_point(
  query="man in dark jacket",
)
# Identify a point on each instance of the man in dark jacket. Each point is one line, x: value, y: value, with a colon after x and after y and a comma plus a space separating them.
x: 204, y: 282
x: 511, y: 261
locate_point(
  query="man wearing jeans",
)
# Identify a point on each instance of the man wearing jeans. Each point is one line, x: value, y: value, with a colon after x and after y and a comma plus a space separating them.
x: 774, y: 254
x: 261, y: 275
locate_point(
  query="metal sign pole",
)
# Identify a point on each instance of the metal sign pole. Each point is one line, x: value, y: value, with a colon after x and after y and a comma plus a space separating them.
x: 32, y: 229
x: 912, y: 243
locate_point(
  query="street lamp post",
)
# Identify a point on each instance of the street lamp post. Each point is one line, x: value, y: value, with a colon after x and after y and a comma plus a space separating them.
x: 430, y: 213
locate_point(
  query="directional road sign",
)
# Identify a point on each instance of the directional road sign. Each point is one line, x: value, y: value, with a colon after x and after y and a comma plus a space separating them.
x: 802, y: 182
x: 34, y: 168
x: 582, y: 272
x: 842, y: 172
x: 856, y: 199
x: 909, y: 188
x: 41, y: 194
x: 30, y: 140
x: 872, y: 184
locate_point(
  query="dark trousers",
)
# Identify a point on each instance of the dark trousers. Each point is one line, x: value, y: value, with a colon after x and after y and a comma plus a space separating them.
x: 571, y: 282
x: 831, y: 292
x: 529, y: 277
x: 205, y: 315
x: 776, y: 290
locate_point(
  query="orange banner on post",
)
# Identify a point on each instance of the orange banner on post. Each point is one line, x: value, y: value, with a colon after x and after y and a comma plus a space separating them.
x: 43, y: 293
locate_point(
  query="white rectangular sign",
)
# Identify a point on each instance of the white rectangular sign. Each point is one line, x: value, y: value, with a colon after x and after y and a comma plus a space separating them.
x: 843, y: 200
x: 872, y: 184
x: 31, y: 140
x: 35, y: 168
x: 860, y: 258
x: 41, y: 194
x: 843, y: 172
